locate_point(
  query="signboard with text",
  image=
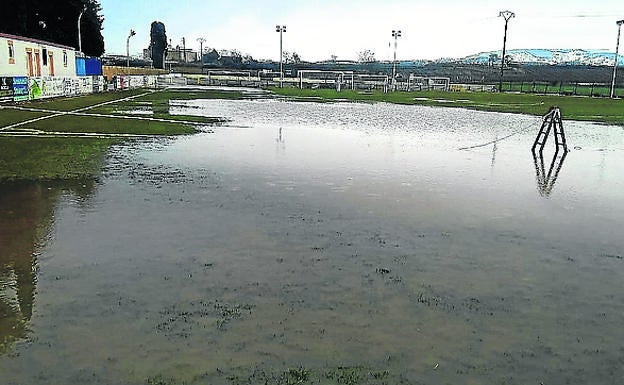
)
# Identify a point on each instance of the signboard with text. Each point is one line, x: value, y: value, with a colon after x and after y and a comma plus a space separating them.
x: 6, y: 89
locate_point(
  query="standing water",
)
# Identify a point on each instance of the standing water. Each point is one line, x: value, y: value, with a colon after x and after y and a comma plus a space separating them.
x: 341, y: 243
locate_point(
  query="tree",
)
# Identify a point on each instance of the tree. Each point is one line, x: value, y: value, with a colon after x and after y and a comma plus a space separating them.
x: 291, y: 57
x: 56, y: 22
x: 158, y: 44
x: 366, y: 56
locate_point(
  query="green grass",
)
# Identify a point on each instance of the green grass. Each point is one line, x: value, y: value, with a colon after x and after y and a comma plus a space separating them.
x: 574, y: 108
x: 74, y: 103
x: 106, y: 125
x: 50, y: 158
x: 598, y: 90
x: 8, y: 116
x: 53, y: 158
x: 191, y: 94
x: 158, y: 101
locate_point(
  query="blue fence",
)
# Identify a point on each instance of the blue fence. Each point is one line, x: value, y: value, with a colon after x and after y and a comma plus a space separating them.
x: 88, y: 66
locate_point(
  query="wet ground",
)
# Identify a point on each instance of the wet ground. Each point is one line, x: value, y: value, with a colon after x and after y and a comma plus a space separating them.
x: 354, y: 242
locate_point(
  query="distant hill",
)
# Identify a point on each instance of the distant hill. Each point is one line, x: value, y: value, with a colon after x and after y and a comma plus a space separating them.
x: 566, y: 57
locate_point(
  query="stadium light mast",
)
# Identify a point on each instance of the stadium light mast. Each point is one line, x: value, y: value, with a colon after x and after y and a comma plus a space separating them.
x: 132, y: 33
x: 281, y: 29
x: 507, y: 15
x: 201, y: 41
x: 79, y: 35
x: 617, y: 49
x: 396, y: 35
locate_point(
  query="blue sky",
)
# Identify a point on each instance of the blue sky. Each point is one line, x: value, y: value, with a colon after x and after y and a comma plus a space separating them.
x: 317, y: 29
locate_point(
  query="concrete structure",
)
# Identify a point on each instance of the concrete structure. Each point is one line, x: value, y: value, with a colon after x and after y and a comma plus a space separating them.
x: 180, y: 55
x: 20, y: 56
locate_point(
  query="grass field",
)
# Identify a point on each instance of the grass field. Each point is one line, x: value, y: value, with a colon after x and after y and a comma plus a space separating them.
x: 51, y: 155
x: 43, y: 158
x: 601, y: 110
x: 583, y: 89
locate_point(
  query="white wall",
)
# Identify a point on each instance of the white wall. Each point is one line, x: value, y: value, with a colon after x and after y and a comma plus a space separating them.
x: 18, y: 66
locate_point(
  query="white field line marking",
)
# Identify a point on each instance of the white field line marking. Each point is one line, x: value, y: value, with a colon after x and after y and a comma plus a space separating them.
x: 61, y: 113
x: 58, y: 113
x: 32, y: 134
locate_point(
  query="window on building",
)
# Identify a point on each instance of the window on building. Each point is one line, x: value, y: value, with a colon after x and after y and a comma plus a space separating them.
x: 11, y: 52
x: 45, y: 57
x: 64, y: 58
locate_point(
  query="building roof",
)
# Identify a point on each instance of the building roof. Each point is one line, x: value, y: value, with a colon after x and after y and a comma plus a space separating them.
x: 31, y: 40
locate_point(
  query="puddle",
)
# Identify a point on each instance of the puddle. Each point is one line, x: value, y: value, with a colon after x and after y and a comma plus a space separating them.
x: 325, y: 237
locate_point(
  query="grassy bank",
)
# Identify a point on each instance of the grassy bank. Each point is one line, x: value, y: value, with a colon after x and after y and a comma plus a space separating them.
x: 42, y: 158
x: 575, y: 108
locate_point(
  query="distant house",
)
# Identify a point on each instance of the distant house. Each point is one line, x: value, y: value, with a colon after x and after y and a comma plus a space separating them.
x: 211, y: 57
x: 21, y: 56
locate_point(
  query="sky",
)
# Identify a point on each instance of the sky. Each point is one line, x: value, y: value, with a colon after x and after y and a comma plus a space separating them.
x: 318, y: 29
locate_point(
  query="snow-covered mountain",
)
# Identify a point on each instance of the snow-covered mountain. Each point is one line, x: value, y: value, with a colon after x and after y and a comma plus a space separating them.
x: 547, y: 57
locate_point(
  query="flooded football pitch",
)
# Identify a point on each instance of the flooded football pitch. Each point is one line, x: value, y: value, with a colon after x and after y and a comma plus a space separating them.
x: 338, y: 243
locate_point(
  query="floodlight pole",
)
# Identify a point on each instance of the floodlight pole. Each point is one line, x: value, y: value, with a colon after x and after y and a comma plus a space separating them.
x: 281, y: 29
x: 79, y: 35
x: 132, y: 33
x: 201, y: 41
x: 506, y: 15
x: 617, y: 49
x: 395, y: 35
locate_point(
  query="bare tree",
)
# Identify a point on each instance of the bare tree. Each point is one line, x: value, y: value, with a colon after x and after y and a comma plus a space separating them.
x: 366, y: 56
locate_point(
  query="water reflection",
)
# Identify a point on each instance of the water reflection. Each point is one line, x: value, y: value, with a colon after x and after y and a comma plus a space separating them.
x: 26, y: 219
x: 546, y: 180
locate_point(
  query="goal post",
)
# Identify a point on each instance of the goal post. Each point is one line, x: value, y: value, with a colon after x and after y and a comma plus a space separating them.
x: 326, y: 79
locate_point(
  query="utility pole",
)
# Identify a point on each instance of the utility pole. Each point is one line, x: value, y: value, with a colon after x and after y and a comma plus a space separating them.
x: 132, y: 33
x: 79, y: 35
x: 281, y: 29
x: 505, y: 15
x: 201, y: 41
x: 617, y: 49
x: 395, y: 35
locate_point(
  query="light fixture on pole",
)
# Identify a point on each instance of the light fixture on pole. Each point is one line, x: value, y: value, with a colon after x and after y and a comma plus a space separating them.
x: 505, y: 15
x: 617, y: 50
x: 79, y: 35
x: 132, y: 33
x: 395, y: 35
x: 281, y: 29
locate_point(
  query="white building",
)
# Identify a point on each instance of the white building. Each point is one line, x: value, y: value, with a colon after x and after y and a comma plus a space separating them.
x: 21, y: 56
